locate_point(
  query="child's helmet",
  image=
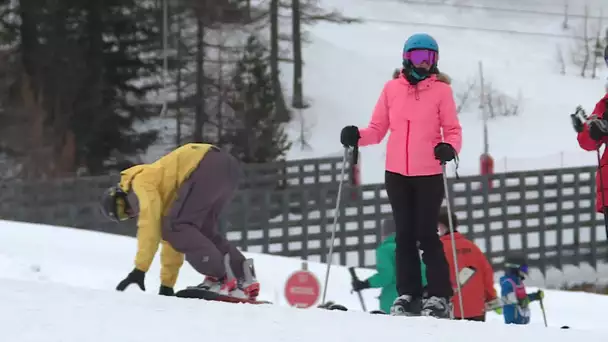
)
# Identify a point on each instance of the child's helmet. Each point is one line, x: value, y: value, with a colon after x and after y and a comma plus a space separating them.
x: 517, y: 265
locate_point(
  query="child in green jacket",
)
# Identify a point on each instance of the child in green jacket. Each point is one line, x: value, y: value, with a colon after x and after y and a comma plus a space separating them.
x: 385, y: 277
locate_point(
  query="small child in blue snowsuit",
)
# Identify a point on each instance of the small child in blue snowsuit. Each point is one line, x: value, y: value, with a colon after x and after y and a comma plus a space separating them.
x: 515, y: 299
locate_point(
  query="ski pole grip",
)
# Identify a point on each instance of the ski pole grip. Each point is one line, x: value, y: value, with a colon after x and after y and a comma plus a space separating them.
x: 352, y: 273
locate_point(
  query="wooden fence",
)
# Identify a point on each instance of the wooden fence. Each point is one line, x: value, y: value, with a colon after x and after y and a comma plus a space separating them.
x: 288, y: 209
x: 548, y: 215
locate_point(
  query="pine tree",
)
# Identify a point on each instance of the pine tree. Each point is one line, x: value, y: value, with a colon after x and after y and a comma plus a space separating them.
x: 90, y: 66
x: 257, y: 133
x: 128, y: 39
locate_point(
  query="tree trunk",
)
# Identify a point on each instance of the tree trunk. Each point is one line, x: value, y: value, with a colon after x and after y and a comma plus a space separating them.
x: 220, y: 93
x: 178, y: 83
x: 281, y: 106
x: 297, y: 100
x: 28, y: 12
x: 199, y: 116
x: 587, y: 51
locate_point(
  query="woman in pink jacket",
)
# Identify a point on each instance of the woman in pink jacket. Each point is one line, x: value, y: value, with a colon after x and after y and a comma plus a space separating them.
x: 417, y: 107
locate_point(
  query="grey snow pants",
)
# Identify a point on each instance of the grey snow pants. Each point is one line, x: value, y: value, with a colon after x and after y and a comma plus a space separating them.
x: 191, y: 226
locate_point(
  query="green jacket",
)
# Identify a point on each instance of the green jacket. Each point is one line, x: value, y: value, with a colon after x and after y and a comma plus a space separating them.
x: 385, y: 278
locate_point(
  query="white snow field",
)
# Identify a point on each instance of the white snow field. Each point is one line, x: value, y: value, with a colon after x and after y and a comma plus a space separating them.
x: 347, y: 65
x: 57, y: 284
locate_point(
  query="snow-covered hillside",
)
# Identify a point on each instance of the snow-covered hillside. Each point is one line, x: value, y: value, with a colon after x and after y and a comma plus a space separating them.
x: 57, y: 284
x: 35, y: 312
x: 347, y: 65
x: 517, y: 41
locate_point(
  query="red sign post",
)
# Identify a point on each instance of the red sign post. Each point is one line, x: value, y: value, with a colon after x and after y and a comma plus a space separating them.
x: 302, y: 288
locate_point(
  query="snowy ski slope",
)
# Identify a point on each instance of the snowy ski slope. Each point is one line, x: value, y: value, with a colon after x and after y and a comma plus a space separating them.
x: 57, y: 284
x: 346, y: 67
x: 35, y: 312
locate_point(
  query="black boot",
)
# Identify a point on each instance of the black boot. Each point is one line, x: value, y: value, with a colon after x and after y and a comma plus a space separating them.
x: 406, y: 305
x: 437, y: 307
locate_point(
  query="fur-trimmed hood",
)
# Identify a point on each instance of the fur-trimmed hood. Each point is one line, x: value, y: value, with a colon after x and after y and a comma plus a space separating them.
x: 442, y: 77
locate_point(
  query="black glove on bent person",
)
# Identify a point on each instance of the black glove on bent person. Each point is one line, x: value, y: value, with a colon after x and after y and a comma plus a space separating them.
x: 349, y: 136
x: 359, y: 285
x: 135, y: 277
x: 166, y: 291
x: 444, y: 152
x: 598, y: 129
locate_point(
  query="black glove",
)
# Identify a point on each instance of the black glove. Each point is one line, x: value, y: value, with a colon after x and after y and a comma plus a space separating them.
x: 135, y: 277
x: 349, y: 136
x: 444, y: 152
x: 577, y: 124
x: 598, y: 129
x: 166, y: 291
x: 359, y: 285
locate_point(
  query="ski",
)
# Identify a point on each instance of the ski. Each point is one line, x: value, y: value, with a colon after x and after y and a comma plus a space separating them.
x: 195, y: 293
x: 334, y: 306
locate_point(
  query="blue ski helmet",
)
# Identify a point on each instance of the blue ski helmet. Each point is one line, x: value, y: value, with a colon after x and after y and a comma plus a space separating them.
x: 420, y: 41
x: 517, y: 265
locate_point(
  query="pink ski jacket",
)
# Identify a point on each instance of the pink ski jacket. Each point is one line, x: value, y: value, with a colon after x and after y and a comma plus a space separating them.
x: 416, y: 117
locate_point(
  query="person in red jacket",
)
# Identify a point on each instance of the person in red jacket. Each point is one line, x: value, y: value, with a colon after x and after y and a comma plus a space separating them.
x: 591, y: 135
x: 476, y: 275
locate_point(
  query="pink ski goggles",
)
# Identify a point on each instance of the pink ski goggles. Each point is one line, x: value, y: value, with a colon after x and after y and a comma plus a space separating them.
x: 419, y: 56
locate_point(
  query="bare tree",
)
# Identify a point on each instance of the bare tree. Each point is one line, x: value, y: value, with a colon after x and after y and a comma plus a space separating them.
x: 561, y: 61
x: 598, y: 50
x: 297, y: 100
x: 305, y: 129
x: 586, y: 49
x: 493, y: 102
x: 464, y: 96
x: 499, y: 104
x: 565, y: 23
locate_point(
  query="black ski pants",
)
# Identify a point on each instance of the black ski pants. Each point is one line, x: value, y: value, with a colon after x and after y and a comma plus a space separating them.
x: 416, y: 202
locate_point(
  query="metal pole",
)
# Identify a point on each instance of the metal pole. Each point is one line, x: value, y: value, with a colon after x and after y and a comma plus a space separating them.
x: 451, y: 227
x: 482, y: 104
x: 333, y: 230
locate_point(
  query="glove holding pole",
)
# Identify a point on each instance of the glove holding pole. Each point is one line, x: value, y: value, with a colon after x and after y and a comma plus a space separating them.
x: 577, y: 123
x: 598, y: 127
x: 358, y: 285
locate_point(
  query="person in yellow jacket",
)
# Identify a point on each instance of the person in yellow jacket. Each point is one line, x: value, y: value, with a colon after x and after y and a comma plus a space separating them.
x: 178, y: 200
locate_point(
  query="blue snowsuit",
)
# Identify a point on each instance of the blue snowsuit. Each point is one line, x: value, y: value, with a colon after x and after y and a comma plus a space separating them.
x: 516, y: 301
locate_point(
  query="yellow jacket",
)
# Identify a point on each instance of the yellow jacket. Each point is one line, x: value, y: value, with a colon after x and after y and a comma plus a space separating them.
x: 155, y: 186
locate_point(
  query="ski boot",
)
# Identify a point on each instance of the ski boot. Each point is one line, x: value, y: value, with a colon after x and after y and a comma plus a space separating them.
x: 223, y: 286
x: 406, y: 305
x: 437, y: 307
x: 249, y: 285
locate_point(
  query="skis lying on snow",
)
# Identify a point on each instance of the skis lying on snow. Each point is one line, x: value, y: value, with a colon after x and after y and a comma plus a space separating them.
x: 196, y: 293
x: 333, y: 306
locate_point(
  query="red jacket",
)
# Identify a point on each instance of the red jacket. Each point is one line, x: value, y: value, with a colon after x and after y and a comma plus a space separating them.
x: 479, y: 288
x: 588, y: 144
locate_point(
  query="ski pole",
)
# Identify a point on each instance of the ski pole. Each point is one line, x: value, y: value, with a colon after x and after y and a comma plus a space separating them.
x: 353, y: 275
x: 542, y: 309
x: 451, y: 224
x: 333, y: 229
